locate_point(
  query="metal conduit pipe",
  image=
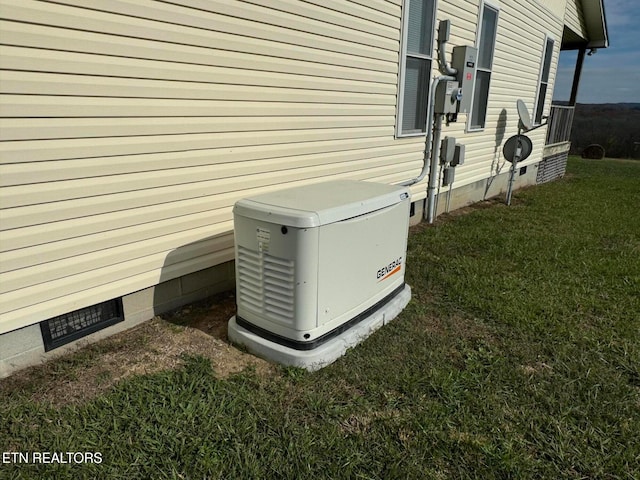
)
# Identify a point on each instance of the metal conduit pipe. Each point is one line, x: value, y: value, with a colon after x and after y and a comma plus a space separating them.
x: 429, y: 212
x: 427, y: 158
x: 432, y: 142
x: 443, y: 37
x: 430, y: 157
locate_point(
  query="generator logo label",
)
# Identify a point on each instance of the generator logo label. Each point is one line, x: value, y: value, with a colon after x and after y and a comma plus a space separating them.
x: 389, y: 270
x: 264, y: 238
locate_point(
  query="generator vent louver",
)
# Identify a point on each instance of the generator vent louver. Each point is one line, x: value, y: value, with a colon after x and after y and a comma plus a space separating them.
x: 267, y: 284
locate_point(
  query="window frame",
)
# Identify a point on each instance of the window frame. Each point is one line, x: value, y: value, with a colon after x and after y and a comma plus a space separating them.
x: 493, y: 5
x: 404, y: 55
x: 543, y: 61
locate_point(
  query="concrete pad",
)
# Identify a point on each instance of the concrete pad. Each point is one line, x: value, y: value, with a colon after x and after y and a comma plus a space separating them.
x: 329, y: 351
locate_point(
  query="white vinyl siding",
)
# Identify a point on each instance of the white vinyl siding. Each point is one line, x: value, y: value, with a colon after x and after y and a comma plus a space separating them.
x: 556, y: 7
x: 515, y: 74
x: 487, y: 30
x: 415, y: 69
x: 574, y: 18
x: 543, y: 84
x: 128, y: 129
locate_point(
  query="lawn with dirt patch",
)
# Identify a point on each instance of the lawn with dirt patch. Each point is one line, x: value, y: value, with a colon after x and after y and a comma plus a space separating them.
x: 518, y: 357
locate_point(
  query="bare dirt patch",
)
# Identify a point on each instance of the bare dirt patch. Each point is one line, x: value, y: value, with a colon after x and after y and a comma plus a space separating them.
x: 447, y: 217
x: 157, y: 345
x: 538, y: 368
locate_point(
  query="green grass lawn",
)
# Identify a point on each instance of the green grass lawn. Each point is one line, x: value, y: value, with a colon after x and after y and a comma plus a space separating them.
x: 518, y: 357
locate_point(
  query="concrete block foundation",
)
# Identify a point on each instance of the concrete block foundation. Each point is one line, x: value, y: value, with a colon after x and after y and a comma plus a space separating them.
x: 25, y: 347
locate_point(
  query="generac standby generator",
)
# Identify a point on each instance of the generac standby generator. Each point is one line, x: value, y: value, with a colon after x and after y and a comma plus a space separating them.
x: 318, y: 268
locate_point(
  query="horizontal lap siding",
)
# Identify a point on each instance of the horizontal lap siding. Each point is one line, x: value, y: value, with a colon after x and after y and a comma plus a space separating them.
x: 556, y: 7
x: 515, y: 74
x: 129, y: 129
x: 574, y: 19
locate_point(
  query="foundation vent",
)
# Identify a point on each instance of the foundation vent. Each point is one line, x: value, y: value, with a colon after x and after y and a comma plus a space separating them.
x: 66, y: 328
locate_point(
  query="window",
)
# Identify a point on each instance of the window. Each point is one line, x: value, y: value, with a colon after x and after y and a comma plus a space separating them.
x: 486, y: 42
x: 415, y: 66
x: 544, y: 79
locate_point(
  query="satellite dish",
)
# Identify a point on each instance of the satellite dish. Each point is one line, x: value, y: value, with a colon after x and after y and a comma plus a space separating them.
x: 511, y: 146
x: 523, y: 113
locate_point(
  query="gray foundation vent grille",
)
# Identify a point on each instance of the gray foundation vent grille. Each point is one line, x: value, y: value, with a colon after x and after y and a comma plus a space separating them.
x: 66, y: 328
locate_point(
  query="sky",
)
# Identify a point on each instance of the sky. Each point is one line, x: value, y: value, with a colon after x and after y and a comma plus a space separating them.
x: 611, y: 75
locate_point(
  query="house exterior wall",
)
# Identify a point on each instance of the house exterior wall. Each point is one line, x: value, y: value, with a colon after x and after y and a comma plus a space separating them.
x: 555, y: 7
x: 574, y: 18
x: 516, y: 69
x: 130, y: 128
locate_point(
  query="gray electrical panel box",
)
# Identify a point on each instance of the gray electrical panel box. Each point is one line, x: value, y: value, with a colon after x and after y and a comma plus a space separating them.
x: 448, y: 176
x: 464, y: 61
x: 447, y: 96
x: 447, y: 149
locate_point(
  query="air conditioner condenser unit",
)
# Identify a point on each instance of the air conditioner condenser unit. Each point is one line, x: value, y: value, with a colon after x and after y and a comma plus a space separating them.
x: 318, y: 269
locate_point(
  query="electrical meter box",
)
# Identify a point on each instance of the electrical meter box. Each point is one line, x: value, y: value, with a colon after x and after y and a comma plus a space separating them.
x: 447, y: 96
x: 464, y: 61
x: 313, y: 260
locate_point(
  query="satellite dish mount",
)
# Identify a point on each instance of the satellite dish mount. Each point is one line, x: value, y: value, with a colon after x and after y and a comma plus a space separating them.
x: 518, y: 147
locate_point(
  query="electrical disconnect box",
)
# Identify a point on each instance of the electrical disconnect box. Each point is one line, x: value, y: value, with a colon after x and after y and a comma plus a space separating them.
x: 448, y: 175
x: 464, y: 61
x: 447, y: 149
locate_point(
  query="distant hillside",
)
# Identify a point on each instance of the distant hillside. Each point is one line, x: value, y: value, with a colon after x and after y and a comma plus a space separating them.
x: 615, y: 126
